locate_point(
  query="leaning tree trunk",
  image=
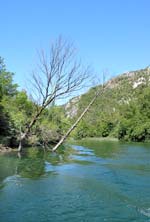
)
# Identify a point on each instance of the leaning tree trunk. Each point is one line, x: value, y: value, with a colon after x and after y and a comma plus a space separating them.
x: 76, y: 123
x: 80, y: 117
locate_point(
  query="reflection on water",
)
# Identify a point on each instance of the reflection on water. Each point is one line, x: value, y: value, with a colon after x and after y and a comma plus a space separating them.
x: 87, y: 181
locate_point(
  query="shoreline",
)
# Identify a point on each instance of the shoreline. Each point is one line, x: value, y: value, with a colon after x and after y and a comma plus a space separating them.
x: 102, y: 139
x: 96, y: 138
x: 5, y: 149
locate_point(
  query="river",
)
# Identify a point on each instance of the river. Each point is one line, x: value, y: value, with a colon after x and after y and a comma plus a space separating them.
x: 89, y: 181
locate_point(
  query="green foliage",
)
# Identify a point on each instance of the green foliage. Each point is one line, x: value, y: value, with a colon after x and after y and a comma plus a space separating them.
x: 52, y: 125
x: 4, y: 122
x: 123, y: 111
x: 135, y: 124
x: 7, y: 91
x: 6, y: 81
x: 17, y: 111
x: 19, y: 108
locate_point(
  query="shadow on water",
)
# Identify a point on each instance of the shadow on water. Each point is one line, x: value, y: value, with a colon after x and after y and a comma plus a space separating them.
x: 8, y: 165
x: 34, y: 162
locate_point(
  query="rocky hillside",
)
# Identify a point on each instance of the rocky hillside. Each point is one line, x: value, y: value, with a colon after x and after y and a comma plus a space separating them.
x: 135, y: 78
x: 123, y: 111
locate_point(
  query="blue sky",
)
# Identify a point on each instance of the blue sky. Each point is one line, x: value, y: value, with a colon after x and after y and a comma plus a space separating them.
x: 109, y: 34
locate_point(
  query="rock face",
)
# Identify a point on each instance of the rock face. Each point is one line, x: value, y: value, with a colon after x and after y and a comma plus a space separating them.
x: 138, y: 82
x: 130, y: 80
x: 71, y: 108
x: 135, y: 78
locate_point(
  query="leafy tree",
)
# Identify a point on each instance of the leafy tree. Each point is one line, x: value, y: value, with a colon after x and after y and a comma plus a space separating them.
x: 7, y: 87
x: 7, y: 90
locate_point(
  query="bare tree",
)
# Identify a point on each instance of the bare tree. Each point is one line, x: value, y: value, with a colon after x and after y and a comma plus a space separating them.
x: 58, y: 75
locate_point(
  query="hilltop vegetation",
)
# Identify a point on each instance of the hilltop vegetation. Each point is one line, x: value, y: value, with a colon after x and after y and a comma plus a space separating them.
x: 122, y: 111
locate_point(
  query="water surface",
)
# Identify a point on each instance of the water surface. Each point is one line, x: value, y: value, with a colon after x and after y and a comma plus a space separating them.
x: 89, y: 181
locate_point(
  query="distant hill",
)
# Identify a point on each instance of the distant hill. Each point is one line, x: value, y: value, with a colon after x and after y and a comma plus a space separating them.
x: 123, y: 111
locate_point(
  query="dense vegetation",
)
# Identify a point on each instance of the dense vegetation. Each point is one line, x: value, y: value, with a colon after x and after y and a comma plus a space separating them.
x: 16, y: 111
x: 122, y: 111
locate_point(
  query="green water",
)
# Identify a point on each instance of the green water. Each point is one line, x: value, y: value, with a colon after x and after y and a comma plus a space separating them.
x: 91, y: 181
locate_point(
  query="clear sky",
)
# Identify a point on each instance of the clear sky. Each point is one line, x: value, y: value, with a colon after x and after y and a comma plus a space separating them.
x: 109, y: 34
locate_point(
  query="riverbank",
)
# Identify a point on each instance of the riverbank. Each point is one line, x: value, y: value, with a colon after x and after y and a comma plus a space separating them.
x: 96, y: 139
x: 102, y: 138
x: 4, y: 149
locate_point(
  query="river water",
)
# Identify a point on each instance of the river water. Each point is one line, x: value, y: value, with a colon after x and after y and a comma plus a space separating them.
x: 90, y: 181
